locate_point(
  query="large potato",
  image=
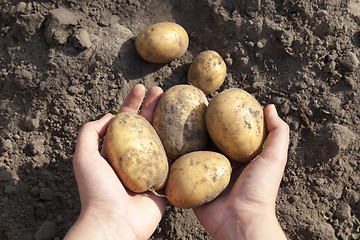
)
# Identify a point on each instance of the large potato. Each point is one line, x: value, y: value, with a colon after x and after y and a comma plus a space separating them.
x: 207, y: 71
x: 135, y: 152
x: 235, y: 122
x: 162, y: 42
x: 197, y: 178
x: 179, y: 120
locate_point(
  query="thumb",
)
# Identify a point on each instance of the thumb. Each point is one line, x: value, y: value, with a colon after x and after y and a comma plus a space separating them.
x: 277, y: 142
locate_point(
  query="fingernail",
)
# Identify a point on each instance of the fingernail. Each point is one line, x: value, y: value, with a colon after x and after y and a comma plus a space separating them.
x: 274, y: 108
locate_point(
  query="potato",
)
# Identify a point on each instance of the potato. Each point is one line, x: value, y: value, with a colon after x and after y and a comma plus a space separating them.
x: 207, y: 71
x: 197, y: 178
x: 136, y: 154
x: 235, y: 122
x: 179, y: 120
x: 162, y: 42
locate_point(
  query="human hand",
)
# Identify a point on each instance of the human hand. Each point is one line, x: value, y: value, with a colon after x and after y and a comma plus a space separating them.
x: 248, y: 210
x: 108, y: 210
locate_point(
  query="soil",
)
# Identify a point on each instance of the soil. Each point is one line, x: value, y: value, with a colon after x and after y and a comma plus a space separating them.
x: 66, y: 62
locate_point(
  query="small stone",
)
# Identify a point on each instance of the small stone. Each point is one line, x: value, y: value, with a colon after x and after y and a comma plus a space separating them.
x: 32, y: 123
x: 350, y: 61
x: 326, y: 230
x: 76, y: 90
x: 322, y: 13
x: 343, y: 211
x: 259, y: 86
x: 81, y: 39
x: 27, y: 25
x: 7, y: 145
x: 58, y: 25
x: 228, y: 61
x: 46, y: 231
x: 37, y: 146
x: 339, y: 138
x: 5, y: 174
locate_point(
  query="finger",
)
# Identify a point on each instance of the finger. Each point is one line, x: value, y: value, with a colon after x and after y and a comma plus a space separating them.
x: 134, y: 99
x: 90, y: 135
x: 277, y: 142
x: 150, y: 102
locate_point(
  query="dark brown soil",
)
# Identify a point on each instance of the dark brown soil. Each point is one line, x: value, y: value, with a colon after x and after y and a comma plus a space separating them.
x: 66, y: 62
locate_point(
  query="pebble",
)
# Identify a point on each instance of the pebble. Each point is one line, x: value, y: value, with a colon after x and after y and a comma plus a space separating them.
x: 58, y: 25
x: 76, y: 90
x: 37, y: 146
x: 26, y: 26
x: 228, y: 61
x: 32, y: 123
x: 7, y: 145
x: 339, y: 138
x: 343, y: 211
x: 326, y: 230
x: 46, y: 231
x: 81, y: 39
x: 350, y: 61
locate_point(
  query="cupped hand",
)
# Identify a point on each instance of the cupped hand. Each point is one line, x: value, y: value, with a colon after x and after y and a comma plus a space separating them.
x: 108, y: 210
x: 247, y: 211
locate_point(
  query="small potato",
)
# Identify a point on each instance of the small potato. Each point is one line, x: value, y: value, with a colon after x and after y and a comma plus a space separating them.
x: 197, y: 178
x: 179, y: 120
x: 136, y: 154
x: 207, y: 71
x: 235, y: 122
x: 162, y: 42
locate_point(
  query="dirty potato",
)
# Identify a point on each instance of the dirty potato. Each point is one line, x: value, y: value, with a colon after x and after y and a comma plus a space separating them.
x: 162, y: 42
x: 135, y: 152
x: 235, y: 122
x: 197, y: 178
x: 179, y: 119
x: 207, y: 71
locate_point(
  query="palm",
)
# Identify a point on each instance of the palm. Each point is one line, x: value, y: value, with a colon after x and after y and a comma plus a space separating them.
x: 100, y: 188
x: 255, y: 187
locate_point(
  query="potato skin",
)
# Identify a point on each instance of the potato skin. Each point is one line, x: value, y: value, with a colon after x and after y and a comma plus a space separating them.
x: 197, y: 178
x: 235, y: 122
x: 162, y: 42
x: 179, y: 120
x: 135, y: 152
x: 207, y: 71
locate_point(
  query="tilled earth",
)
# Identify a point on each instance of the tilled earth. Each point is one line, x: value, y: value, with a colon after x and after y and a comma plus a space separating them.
x: 66, y: 62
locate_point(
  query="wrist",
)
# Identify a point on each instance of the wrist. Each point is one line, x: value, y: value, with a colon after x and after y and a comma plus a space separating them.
x: 250, y: 226
x: 94, y: 225
x: 263, y: 226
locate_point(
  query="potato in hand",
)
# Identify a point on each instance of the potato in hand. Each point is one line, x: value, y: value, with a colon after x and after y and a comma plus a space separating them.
x: 135, y: 152
x: 235, y: 122
x: 179, y: 119
x: 197, y: 178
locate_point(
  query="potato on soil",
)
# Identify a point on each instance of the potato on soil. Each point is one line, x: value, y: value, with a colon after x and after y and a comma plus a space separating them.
x: 235, y: 122
x: 197, y: 178
x: 179, y: 120
x: 136, y: 154
x: 162, y: 42
x: 207, y: 71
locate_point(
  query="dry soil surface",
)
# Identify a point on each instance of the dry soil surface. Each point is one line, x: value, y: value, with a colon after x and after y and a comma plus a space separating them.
x: 66, y: 62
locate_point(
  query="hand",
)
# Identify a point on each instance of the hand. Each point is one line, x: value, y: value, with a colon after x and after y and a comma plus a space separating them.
x: 108, y: 210
x: 248, y: 210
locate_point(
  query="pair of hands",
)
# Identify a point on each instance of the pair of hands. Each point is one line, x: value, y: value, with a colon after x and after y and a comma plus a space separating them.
x: 109, y: 211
